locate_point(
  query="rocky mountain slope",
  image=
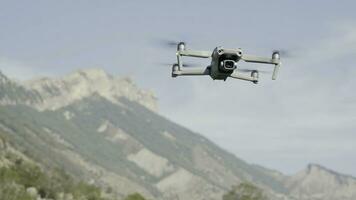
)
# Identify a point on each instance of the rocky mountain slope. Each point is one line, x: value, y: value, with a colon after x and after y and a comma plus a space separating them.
x: 317, y: 182
x: 106, y: 131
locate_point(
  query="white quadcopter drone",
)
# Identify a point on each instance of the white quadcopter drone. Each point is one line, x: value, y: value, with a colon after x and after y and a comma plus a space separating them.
x: 223, y: 64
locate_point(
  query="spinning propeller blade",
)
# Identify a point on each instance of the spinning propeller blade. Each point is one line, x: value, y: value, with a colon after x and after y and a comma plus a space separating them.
x: 184, y: 65
x: 284, y: 53
x: 168, y: 43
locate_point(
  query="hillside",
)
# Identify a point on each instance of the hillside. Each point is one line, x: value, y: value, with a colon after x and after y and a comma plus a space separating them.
x: 22, y: 179
x: 106, y: 131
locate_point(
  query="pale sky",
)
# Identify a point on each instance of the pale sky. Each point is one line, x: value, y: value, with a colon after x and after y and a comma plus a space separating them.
x: 307, y: 116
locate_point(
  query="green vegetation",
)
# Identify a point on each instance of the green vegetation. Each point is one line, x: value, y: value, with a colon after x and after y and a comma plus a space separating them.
x: 245, y: 191
x: 135, y: 196
x: 19, y: 177
x: 13, y: 192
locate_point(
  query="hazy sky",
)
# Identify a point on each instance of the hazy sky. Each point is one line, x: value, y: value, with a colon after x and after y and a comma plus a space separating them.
x: 307, y: 115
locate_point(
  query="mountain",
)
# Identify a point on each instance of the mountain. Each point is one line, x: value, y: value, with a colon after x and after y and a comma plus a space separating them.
x: 106, y: 131
x: 317, y: 182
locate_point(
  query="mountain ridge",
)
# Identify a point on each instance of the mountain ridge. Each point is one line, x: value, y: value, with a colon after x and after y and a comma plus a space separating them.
x: 54, y: 93
x: 310, y: 166
x: 124, y: 144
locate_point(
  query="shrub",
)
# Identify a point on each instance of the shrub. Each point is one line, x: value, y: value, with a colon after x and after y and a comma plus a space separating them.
x: 21, y: 175
x: 245, y: 191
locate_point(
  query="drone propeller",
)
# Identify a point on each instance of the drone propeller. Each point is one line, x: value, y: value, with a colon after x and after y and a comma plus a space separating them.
x: 184, y: 65
x: 252, y: 70
x: 289, y: 52
x: 284, y: 53
x: 168, y: 43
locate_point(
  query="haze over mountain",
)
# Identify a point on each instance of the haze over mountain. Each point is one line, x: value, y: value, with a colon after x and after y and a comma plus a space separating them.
x: 107, y: 131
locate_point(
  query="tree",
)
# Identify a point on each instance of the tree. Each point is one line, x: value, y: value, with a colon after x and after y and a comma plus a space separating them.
x: 245, y: 191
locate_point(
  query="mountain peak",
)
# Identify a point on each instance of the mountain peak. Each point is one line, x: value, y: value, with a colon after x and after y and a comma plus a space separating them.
x: 59, y: 92
x: 316, y: 168
x: 93, y: 74
x: 316, y: 180
x: 313, y: 167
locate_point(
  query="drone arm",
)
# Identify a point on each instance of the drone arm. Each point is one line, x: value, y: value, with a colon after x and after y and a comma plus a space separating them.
x: 191, y: 72
x: 240, y: 76
x: 274, y: 60
x: 257, y: 59
x: 192, y: 53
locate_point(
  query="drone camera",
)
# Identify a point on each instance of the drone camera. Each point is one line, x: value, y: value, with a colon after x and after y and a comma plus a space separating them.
x: 229, y: 64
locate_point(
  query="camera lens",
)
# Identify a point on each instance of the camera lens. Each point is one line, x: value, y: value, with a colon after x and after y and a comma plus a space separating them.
x: 229, y: 64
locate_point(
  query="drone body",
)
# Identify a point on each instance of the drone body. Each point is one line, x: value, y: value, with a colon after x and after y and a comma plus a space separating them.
x: 223, y: 64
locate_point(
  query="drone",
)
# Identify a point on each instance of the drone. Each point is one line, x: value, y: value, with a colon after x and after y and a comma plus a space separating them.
x: 223, y: 64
